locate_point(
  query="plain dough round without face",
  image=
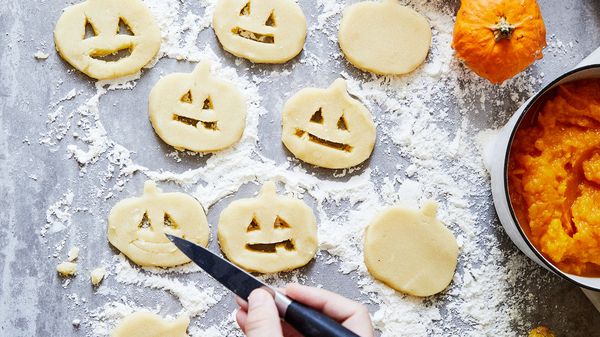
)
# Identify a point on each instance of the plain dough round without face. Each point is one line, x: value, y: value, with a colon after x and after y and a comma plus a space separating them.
x: 137, y: 226
x: 86, y: 54
x: 269, y: 233
x: 145, y: 324
x: 262, y: 31
x: 384, y: 37
x: 411, y: 251
x: 196, y: 111
x: 327, y: 127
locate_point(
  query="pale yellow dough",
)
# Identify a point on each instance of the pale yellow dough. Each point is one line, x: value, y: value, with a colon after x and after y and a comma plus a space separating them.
x: 87, y: 54
x: 384, y: 37
x: 73, y: 254
x: 269, y: 233
x: 196, y: 111
x: 67, y: 269
x: 327, y: 127
x: 136, y: 226
x: 97, y: 275
x: 411, y: 251
x: 145, y: 324
x: 262, y: 31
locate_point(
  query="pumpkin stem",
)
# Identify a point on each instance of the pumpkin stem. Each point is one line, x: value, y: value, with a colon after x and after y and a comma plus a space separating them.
x: 503, y: 29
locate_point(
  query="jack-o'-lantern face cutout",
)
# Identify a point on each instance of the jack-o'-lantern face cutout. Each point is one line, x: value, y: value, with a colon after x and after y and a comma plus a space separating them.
x: 196, y: 111
x: 269, y: 233
x: 327, y: 127
x: 262, y: 31
x: 107, y: 38
x: 137, y: 226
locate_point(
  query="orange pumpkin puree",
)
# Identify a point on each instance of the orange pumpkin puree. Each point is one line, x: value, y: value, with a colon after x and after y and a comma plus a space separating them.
x: 554, y: 178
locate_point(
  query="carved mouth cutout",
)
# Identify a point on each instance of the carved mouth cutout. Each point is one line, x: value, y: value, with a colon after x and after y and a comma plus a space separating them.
x: 208, y: 105
x: 194, y: 122
x: 107, y: 56
x: 257, y: 37
x: 317, y: 140
x: 271, y: 247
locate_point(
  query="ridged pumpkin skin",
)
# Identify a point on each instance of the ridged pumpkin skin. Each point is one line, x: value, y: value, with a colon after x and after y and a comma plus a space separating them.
x: 499, y: 38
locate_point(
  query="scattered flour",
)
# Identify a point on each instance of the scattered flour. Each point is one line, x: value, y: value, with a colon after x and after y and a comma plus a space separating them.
x: 425, y: 128
x: 195, y: 298
x: 58, y: 215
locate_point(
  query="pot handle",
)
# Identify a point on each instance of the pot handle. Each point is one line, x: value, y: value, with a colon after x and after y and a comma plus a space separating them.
x: 593, y: 296
x: 593, y: 58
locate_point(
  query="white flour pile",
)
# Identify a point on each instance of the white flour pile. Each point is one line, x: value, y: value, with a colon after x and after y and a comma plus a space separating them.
x: 428, y: 152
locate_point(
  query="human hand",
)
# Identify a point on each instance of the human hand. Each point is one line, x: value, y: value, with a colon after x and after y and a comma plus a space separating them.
x: 259, y: 317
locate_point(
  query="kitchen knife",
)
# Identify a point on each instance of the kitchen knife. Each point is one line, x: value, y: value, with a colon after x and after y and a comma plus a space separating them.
x: 307, y: 321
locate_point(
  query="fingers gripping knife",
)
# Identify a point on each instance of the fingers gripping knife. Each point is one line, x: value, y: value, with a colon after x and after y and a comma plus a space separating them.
x: 498, y: 167
x: 306, y: 320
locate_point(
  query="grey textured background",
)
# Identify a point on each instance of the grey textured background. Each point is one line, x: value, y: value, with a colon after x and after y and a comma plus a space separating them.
x: 32, y: 301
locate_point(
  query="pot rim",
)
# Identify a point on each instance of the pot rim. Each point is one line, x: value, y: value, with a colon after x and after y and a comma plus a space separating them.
x: 537, y: 97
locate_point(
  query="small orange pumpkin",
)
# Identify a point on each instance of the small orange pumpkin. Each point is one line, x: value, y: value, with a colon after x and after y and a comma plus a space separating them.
x: 499, y: 38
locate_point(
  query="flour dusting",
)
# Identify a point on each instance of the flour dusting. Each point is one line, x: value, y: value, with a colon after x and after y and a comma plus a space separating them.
x: 425, y: 150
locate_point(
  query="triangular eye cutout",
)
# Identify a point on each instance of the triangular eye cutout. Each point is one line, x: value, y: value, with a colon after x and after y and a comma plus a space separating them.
x: 169, y: 222
x: 187, y: 97
x: 89, y: 30
x: 317, y: 117
x: 271, y: 20
x: 253, y: 226
x: 341, y: 124
x: 280, y: 223
x: 123, y: 28
x: 246, y: 9
x: 145, y: 223
x: 207, y: 104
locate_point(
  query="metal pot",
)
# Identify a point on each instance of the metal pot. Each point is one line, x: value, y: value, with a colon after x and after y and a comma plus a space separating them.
x: 588, y: 68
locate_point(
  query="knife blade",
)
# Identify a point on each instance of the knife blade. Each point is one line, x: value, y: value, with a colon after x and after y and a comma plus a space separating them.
x: 307, y: 321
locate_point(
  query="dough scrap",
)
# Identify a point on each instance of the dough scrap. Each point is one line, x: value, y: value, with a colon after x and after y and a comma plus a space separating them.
x: 94, y: 55
x: 136, y: 226
x: 385, y: 38
x: 327, y: 127
x: 145, y: 324
x: 262, y: 31
x: 97, y: 275
x: 196, y: 111
x: 269, y: 233
x: 67, y: 269
x: 73, y: 254
x: 411, y: 251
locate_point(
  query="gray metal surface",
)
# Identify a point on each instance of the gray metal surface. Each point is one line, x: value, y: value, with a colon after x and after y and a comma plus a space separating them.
x: 32, y: 300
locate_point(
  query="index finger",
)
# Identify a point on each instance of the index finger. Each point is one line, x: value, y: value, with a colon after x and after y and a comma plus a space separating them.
x: 331, y: 304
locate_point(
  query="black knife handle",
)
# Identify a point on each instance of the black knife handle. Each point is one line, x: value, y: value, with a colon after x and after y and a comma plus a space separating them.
x: 312, y: 323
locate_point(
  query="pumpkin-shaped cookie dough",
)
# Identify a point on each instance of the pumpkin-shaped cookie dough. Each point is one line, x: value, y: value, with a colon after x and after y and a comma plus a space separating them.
x: 137, y: 226
x: 124, y: 37
x: 411, y: 251
x: 145, y: 324
x: 327, y: 127
x: 196, y: 111
x: 262, y: 31
x: 269, y: 233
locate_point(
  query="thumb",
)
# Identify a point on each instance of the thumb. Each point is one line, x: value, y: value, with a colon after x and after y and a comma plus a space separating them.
x: 263, y: 318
